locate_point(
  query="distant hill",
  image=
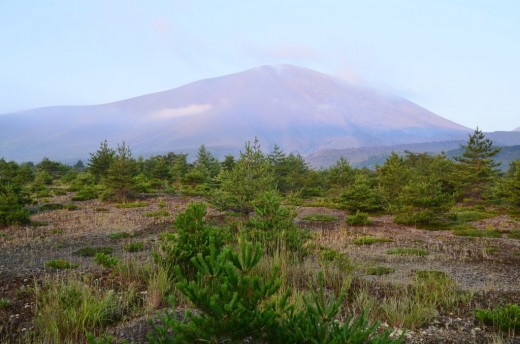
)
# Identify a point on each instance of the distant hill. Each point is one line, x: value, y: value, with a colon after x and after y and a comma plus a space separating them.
x: 371, y: 156
x: 297, y: 108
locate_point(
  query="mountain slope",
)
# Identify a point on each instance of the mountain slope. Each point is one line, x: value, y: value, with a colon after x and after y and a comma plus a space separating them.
x: 300, y: 109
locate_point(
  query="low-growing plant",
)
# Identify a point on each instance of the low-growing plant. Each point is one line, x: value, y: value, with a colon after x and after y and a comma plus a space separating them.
x: 367, y: 240
x: 431, y: 274
x: 320, y: 218
x: 68, y: 309
x: 515, y: 234
x: 358, y: 219
x: 89, y: 251
x: 105, y: 260
x: 505, y: 318
x: 102, y: 210
x: 131, y: 205
x: 407, y: 251
x: 135, y: 246
x: 5, y: 303
x: 477, y: 233
x: 61, y: 264
x: 379, y: 270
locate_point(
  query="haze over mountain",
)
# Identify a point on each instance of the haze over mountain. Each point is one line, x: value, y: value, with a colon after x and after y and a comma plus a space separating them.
x: 297, y: 108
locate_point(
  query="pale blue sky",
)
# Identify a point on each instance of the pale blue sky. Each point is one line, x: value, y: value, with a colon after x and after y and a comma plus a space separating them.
x: 460, y: 59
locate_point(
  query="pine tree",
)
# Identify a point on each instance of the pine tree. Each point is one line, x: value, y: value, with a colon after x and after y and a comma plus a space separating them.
x: 100, y: 161
x: 122, y: 169
x: 476, y: 169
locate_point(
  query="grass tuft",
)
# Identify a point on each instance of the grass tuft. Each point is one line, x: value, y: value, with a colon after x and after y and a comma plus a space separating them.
x: 407, y: 251
x: 89, y: 251
x: 477, y: 233
x: 120, y: 235
x: 61, y: 264
x: 367, y: 240
x: 380, y: 270
x: 135, y: 246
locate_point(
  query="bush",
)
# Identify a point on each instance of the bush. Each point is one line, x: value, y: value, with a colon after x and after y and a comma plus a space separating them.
x: 367, y: 240
x: 358, y: 219
x: 236, y: 306
x: 134, y: 246
x: 477, y: 233
x: 505, y: 318
x: 61, y: 264
x: 89, y: 251
x: 105, y: 260
x: 193, y: 236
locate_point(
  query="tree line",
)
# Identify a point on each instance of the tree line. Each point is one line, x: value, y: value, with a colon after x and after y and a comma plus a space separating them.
x: 418, y: 188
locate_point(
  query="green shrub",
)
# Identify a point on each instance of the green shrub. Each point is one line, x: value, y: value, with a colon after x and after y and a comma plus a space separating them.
x: 89, y: 251
x: 270, y: 214
x: 61, y: 264
x: 379, y: 270
x: 68, y: 309
x: 407, y: 251
x: 320, y: 217
x: 235, y: 306
x: 431, y: 274
x: 131, y: 205
x: 469, y: 215
x: 477, y: 233
x: 358, y: 219
x: 192, y: 237
x: 105, y: 260
x: 505, y: 318
x: 514, y: 234
x: 135, y: 246
x: 339, y: 259
x: 5, y: 303
x: 85, y: 193
x: 367, y: 240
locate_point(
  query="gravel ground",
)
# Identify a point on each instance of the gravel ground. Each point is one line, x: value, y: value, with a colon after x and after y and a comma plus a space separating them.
x: 488, y: 267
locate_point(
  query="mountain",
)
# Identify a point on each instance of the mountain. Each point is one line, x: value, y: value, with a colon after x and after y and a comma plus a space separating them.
x: 299, y: 109
x: 517, y: 129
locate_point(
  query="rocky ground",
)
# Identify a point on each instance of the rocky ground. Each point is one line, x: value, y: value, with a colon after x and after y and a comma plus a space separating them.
x: 487, y: 267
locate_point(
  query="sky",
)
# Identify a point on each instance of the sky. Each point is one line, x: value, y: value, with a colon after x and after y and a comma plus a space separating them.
x: 457, y: 58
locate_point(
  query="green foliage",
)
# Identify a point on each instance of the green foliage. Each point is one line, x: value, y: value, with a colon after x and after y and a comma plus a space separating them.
x: 270, y: 214
x: 379, y: 270
x: 234, y: 305
x: 477, y: 233
x: 358, y: 219
x: 391, y: 179
x: 431, y: 274
x: 320, y: 218
x: 367, y: 240
x: 362, y: 195
x: 5, y: 303
x: 476, y: 169
x: 251, y: 176
x: 12, y: 210
x: 131, y: 205
x: 89, y: 251
x: 61, y: 264
x: 100, y: 161
x: 121, y: 172
x: 68, y: 310
x: 106, y: 260
x: 407, y: 251
x: 193, y: 236
x: 505, y: 318
x: 135, y: 246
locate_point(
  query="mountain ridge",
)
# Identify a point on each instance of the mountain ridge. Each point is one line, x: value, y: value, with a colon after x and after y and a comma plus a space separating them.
x: 297, y: 108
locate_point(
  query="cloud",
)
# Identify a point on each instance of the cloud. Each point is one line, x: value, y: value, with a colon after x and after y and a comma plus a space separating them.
x: 169, y: 113
x: 281, y: 53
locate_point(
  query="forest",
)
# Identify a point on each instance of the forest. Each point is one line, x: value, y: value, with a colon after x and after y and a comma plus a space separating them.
x: 260, y: 248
